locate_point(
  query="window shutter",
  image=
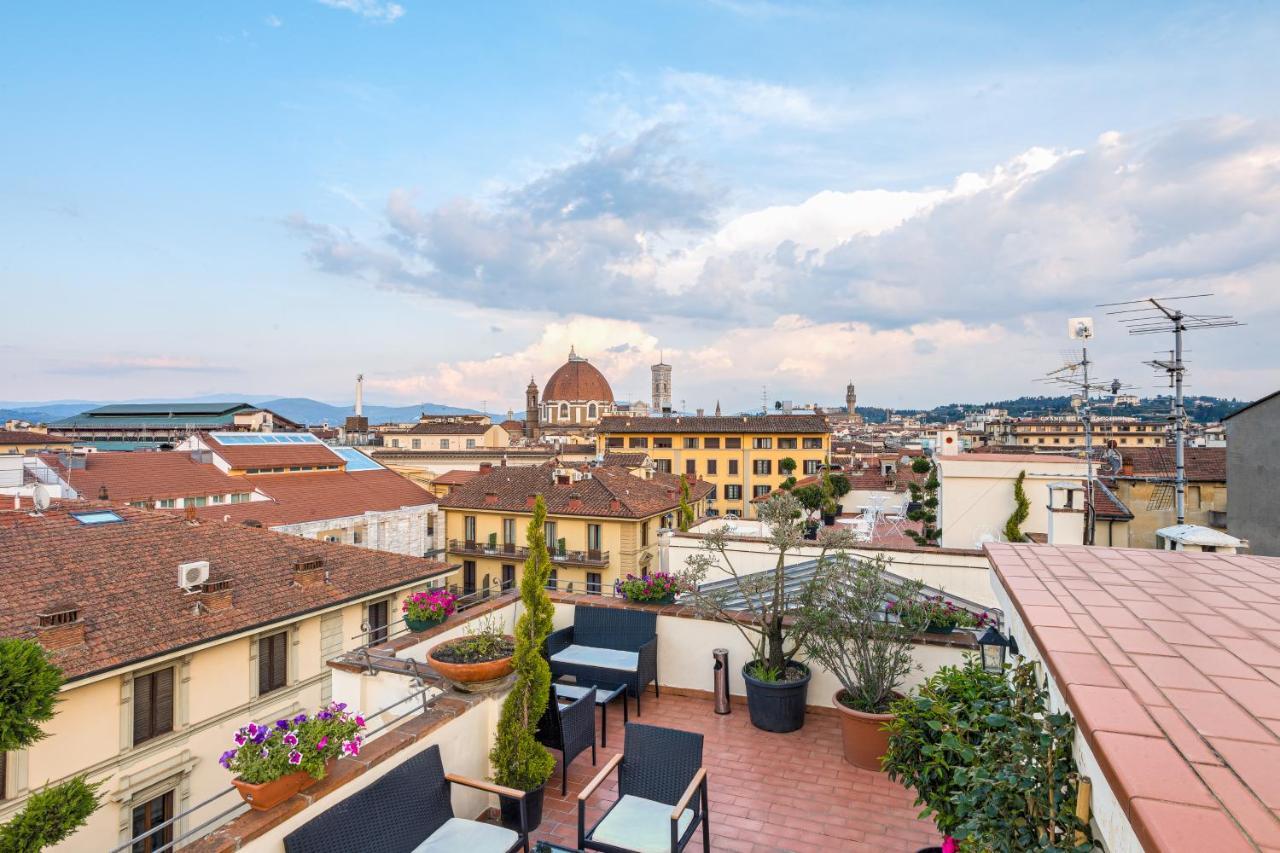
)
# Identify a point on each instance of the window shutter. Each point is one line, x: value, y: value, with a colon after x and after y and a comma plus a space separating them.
x: 279, y: 660
x: 162, y: 691
x: 4, y: 781
x: 142, y: 699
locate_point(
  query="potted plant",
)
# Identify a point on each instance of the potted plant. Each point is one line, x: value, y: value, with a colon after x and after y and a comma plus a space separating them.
x: 272, y: 762
x: 760, y: 605
x: 656, y: 588
x: 561, y: 548
x: 847, y: 631
x: 424, y: 610
x: 924, y: 503
x: 518, y: 760
x: 478, y: 661
x: 936, y: 613
x: 491, y: 547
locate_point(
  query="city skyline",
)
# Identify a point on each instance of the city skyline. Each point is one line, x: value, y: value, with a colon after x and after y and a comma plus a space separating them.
x: 773, y: 195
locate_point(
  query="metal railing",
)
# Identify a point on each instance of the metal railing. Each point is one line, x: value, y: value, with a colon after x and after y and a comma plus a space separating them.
x: 240, y: 807
x: 581, y: 558
x: 464, y: 602
x: 484, y: 549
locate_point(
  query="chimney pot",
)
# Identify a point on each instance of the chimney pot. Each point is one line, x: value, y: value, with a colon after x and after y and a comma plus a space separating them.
x: 490, y: 498
x: 61, y: 628
x: 309, y: 570
x: 575, y: 500
x: 215, y: 595
x: 671, y: 493
x: 531, y: 499
x: 190, y: 513
x: 615, y: 505
x: 102, y: 493
x: 486, y: 467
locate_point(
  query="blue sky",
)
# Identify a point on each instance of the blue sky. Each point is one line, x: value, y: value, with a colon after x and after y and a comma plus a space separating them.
x: 269, y: 197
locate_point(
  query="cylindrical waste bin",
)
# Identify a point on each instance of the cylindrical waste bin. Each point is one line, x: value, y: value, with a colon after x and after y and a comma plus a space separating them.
x: 721, y: 679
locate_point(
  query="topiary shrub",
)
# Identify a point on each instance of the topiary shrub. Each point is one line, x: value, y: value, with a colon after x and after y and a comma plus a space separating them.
x: 519, y: 761
x: 1021, y: 509
x: 29, y: 686
x: 50, y: 815
x: 685, y: 513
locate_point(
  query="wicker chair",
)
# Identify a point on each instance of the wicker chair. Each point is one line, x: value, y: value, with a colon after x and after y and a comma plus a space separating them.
x: 571, y: 729
x: 662, y: 795
x: 607, y: 645
x: 408, y: 810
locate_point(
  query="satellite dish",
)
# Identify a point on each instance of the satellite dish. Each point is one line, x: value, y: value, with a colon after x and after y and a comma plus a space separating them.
x: 1080, y: 328
x: 40, y: 497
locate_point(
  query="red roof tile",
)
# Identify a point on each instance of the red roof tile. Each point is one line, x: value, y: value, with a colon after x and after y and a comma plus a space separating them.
x: 1203, y: 464
x: 151, y: 476
x: 636, y: 497
x: 243, y: 456
x: 1179, y: 697
x: 297, y: 498
x: 123, y: 576
x: 21, y: 436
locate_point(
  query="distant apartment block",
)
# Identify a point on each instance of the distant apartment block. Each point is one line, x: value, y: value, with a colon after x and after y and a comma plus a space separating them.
x: 1253, y: 465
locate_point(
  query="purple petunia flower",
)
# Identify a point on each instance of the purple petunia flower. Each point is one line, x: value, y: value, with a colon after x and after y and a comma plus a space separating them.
x: 301, y: 718
x: 324, y: 715
x: 266, y: 753
x: 340, y: 706
x: 225, y: 759
x: 282, y: 724
x: 295, y: 757
x: 323, y: 742
x: 359, y: 721
x: 239, y: 738
x: 351, y: 747
x: 252, y: 729
x: 291, y: 739
x: 260, y: 736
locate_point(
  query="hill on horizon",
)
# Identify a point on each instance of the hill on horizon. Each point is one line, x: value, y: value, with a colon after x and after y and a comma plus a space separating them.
x: 304, y: 410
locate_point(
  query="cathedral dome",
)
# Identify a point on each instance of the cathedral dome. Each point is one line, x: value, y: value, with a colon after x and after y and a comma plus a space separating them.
x: 577, y: 380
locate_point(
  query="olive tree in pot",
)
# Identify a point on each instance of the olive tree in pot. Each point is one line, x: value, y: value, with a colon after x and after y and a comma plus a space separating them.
x: 847, y: 630
x: 519, y: 761
x: 762, y: 607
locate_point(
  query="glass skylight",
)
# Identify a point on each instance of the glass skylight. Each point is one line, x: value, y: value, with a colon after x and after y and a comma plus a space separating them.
x: 104, y: 516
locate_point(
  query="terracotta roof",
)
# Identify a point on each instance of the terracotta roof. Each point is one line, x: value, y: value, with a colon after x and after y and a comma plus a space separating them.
x: 577, y: 380
x: 513, y: 426
x: 314, y: 496
x: 273, y: 455
x: 625, y: 460
x: 123, y: 576
x: 1008, y: 457
x: 452, y: 428
x: 455, y: 477
x: 1203, y: 464
x: 145, y: 474
x: 770, y: 424
x: 1107, y: 505
x: 22, y: 436
x: 1170, y: 662
x: 636, y: 497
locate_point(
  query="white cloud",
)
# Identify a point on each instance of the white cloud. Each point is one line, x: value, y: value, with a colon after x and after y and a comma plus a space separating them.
x: 373, y: 10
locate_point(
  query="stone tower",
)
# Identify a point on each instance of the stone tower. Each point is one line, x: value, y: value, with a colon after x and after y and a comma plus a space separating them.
x: 661, y: 386
x: 851, y: 398
x: 531, y: 423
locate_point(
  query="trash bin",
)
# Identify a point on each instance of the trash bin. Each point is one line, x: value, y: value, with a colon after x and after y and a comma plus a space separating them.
x: 721, y: 679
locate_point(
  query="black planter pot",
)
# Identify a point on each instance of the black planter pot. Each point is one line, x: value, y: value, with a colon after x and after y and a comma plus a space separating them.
x: 777, y: 706
x: 929, y: 850
x: 828, y: 520
x: 533, y: 810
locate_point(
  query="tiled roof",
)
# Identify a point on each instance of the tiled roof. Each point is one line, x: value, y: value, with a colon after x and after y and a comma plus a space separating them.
x: 625, y: 460
x: 1203, y: 464
x: 453, y: 428
x: 455, y: 477
x: 1170, y: 662
x: 1107, y: 505
x: 577, y: 380
x: 124, y: 579
x: 143, y: 475
x: 21, y: 436
x: 770, y: 424
x: 243, y: 456
x: 1007, y: 457
x: 313, y: 496
x: 636, y: 497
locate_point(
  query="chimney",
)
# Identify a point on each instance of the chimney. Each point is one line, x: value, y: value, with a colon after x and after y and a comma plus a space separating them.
x: 102, y: 493
x: 575, y: 501
x: 486, y: 467
x: 309, y: 570
x: 671, y: 493
x: 490, y: 498
x: 359, y: 394
x: 190, y: 513
x: 61, y: 627
x: 530, y: 499
x: 1126, y: 469
x: 215, y: 595
x: 615, y: 505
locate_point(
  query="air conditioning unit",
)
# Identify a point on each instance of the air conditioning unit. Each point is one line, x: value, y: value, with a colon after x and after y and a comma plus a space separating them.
x: 191, y: 576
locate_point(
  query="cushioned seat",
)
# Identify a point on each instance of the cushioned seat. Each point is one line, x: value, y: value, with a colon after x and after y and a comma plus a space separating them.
x: 596, y: 656
x: 469, y: 835
x: 640, y: 825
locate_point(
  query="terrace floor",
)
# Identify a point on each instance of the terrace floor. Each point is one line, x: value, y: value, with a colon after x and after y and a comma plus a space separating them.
x: 768, y: 792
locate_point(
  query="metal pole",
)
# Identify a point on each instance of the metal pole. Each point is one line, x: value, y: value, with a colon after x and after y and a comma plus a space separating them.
x: 1179, y: 422
x: 1087, y: 418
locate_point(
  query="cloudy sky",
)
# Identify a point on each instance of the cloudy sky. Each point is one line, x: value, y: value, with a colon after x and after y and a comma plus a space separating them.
x: 267, y: 197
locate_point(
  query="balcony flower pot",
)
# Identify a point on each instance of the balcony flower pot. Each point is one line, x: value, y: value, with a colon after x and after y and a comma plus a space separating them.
x: 863, y: 735
x: 939, y: 629
x: 423, y: 624
x: 471, y: 675
x: 510, y: 808
x: 777, y: 706
x: 267, y: 795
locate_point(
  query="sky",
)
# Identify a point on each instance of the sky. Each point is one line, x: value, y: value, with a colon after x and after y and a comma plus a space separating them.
x: 778, y: 198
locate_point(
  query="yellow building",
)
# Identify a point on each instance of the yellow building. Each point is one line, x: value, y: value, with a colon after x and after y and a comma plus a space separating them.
x: 21, y: 441
x: 454, y: 435
x: 602, y: 523
x: 1060, y: 432
x: 159, y: 676
x: 740, y: 455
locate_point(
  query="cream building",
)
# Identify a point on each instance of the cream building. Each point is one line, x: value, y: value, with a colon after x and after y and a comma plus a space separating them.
x: 976, y: 497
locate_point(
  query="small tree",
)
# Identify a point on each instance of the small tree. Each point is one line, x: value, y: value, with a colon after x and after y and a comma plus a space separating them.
x: 1021, y: 509
x: 685, y: 513
x: 810, y: 497
x: 844, y: 627
x: 927, y: 497
x: 519, y: 761
x: 29, y: 684
x: 767, y: 600
x: 786, y: 465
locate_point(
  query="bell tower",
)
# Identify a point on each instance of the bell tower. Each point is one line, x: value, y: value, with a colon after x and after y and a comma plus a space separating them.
x: 851, y: 398
x: 532, y: 426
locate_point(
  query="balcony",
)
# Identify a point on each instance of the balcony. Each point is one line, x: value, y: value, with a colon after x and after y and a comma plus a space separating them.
x: 503, y: 550
x: 599, y: 559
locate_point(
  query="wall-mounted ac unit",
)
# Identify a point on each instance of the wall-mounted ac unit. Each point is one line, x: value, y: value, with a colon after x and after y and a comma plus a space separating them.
x: 191, y: 576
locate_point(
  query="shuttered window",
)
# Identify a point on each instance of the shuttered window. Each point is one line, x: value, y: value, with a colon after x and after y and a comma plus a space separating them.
x: 273, y: 663
x: 152, y: 705
x: 150, y: 815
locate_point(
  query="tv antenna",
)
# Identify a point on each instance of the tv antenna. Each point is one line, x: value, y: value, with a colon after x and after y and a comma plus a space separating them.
x: 1154, y: 316
x: 1074, y: 374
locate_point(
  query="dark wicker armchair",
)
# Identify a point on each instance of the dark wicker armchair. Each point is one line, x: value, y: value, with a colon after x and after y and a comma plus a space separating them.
x: 662, y: 795
x: 571, y: 729
x: 407, y: 810
x: 608, y: 645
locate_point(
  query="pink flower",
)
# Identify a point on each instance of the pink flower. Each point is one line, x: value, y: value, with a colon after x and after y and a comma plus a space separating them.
x: 949, y: 845
x: 359, y: 721
x: 351, y: 747
x: 295, y: 757
x: 323, y: 742
x: 291, y: 739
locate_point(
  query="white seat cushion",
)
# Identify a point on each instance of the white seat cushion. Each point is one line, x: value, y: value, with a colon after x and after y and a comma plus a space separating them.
x: 640, y: 825
x: 594, y: 656
x: 470, y: 835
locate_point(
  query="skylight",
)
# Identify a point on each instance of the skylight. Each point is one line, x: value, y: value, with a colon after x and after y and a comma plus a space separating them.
x: 104, y: 516
x: 264, y: 438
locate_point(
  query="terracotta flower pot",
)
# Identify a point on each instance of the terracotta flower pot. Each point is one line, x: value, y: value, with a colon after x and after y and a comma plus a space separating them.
x: 865, y: 741
x: 268, y: 795
x: 470, y: 673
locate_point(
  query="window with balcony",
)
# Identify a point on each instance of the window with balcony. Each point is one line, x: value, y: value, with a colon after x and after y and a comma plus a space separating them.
x: 812, y: 444
x: 762, y: 443
x: 594, y: 583
x: 662, y: 442
x: 733, y: 444
x: 691, y: 443
x: 638, y: 441
x: 786, y: 444
x: 468, y: 577
x: 273, y: 662
x: 553, y: 579
x: 593, y: 540
x: 469, y: 530
x: 711, y: 443
x: 377, y: 616
x: 549, y: 530
x: 613, y: 441
x: 733, y: 492
x: 508, y: 576
x: 508, y: 534
x: 152, y: 705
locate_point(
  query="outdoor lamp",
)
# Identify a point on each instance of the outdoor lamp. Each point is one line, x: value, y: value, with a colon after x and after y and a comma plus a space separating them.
x: 994, y: 645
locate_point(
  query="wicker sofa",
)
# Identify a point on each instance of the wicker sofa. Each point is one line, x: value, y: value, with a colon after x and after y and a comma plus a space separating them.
x: 606, y: 644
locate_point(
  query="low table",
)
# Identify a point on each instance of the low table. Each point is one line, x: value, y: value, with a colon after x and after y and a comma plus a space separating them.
x: 605, y: 693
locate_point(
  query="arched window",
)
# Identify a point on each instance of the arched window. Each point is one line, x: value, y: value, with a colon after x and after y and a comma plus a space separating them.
x: 564, y: 411
x: 591, y: 412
